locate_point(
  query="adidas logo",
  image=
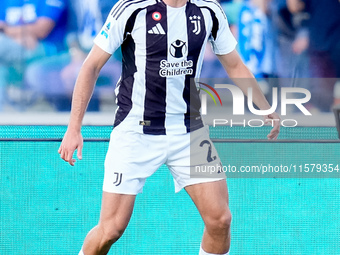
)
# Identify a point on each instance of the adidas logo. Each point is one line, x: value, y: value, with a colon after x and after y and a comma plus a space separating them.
x: 157, y: 30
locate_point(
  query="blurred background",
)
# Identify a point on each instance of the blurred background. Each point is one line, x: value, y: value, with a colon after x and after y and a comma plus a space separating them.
x: 44, y: 42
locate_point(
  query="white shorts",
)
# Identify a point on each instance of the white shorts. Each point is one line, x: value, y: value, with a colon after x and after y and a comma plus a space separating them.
x: 132, y: 157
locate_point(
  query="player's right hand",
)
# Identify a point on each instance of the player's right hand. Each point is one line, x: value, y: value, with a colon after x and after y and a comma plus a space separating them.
x: 72, y: 141
x: 274, y: 133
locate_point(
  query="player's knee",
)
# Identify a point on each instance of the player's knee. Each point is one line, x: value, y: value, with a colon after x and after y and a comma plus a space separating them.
x: 219, y: 223
x: 111, y: 234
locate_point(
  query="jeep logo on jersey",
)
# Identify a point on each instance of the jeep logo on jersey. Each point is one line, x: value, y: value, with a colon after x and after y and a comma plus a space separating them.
x: 178, y: 49
x: 196, y: 20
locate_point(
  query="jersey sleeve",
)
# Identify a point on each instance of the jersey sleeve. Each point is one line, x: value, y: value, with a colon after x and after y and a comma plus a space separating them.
x: 111, y: 35
x: 222, y: 40
x: 52, y: 9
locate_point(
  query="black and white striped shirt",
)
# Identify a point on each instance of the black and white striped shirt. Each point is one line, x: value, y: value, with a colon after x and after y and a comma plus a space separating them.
x: 162, y: 50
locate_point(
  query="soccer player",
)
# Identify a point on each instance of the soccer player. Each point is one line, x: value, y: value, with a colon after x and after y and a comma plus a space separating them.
x: 157, y: 121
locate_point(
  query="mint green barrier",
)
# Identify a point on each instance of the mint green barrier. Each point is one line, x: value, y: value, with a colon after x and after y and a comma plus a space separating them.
x: 47, y: 207
x: 103, y: 132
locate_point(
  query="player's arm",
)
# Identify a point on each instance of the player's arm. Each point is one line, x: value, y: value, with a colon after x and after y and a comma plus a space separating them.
x: 236, y: 69
x: 81, y: 96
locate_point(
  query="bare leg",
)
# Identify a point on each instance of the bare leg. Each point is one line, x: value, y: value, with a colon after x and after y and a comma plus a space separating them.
x: 211, y: 200
x: 115, y: 215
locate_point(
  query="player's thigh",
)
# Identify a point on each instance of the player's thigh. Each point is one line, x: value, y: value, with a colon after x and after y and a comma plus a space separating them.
x: 116, y: 210
x: 193, y: 159
x: 131, y: 158
x: 210, y: 198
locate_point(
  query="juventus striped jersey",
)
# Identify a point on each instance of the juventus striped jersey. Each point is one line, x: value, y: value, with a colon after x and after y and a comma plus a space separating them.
x: 162, y: 49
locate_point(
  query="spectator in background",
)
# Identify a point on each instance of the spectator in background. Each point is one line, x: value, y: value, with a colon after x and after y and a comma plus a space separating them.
x: 29, y: 30
x: 323, y: 46
x: 60, y: 72
x: 249, y: 23
x: 291, y: 59
x: 255, y: 42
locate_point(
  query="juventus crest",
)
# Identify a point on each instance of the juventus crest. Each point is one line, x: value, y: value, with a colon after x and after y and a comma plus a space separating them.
x: 196, y: 20
x: 118, y: 179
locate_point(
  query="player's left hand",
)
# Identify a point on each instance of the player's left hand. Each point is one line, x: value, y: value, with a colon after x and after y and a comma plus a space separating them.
x: 274, y: 120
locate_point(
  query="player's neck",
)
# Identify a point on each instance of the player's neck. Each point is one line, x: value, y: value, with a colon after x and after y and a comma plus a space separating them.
x: 175, y: 3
